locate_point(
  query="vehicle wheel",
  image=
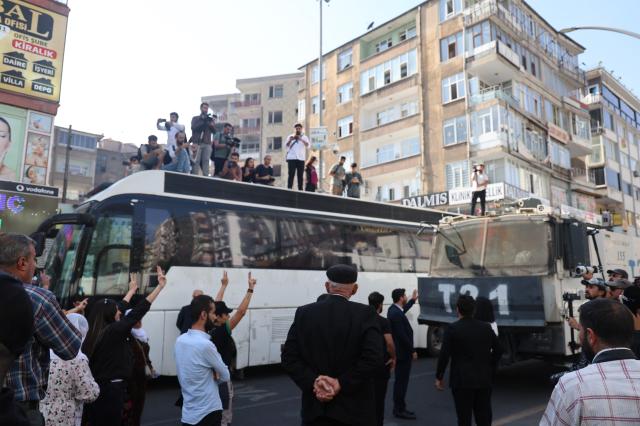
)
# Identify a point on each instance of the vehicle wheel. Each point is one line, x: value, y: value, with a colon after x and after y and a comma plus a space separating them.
x: 434, y: 340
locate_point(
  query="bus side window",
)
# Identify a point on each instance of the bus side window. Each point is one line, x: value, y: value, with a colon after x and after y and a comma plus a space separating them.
x: 257, y: 234
x: 373, y: 248
x: 415, y: 252
x: 310, y: 244
x: 108, y: 257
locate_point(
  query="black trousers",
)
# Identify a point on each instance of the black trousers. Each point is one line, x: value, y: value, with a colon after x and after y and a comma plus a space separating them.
x: 473, y: 401
x: 380, y: 391
x: 403, y: 370
x: 214, y: 418
x: 482, y: 195
x: 107, y: 409
x: 218, y: 164
x: 295, y: 166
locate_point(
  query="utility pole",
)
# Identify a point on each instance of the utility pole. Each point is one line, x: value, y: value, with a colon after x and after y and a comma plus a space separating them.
x: 320, y: 159
x: 65, y: 182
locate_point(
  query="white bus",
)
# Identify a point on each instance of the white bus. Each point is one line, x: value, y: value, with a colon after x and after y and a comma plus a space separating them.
x: 198, y: 227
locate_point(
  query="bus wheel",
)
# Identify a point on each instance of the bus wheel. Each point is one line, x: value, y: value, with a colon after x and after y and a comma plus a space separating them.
x: 434, y: 340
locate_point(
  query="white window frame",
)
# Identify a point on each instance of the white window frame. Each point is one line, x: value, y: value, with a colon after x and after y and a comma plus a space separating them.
x: 345, y: 127
x: 345, y: 93
x: 459, y: 172
x: 447, y: 87
x: 272, y: 117
x: 273, y: 91
x: 454, y: 122
x: 348, y: 53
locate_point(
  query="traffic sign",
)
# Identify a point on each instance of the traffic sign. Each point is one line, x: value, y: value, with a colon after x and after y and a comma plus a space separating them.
x: 318, y: 136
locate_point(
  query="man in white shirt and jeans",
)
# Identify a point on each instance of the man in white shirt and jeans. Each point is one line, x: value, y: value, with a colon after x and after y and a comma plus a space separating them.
x: 172, y: 127
x: 200, y: 367
x: 479, y: 182
x: 297, y: 145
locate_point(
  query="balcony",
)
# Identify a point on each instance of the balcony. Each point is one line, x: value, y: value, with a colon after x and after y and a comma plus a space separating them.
x: 247, y: 131
x: 591, y: 99
x: 587, y: 181
x: 487, y: 8
x: 494, y: 92
x: 493, y: 62
x: 246, y: 104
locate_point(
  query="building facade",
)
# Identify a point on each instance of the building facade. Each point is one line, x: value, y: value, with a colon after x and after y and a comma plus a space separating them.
x: 111, y: 157
x: 613, y: 164
x: 263, y: 115
x: 420, y: 99
x: 82, y: 162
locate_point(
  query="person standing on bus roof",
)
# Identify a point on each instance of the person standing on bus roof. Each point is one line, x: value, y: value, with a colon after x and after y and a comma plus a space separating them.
x: 264, y: 172
x: 297, y: 144
x: 405, y: 353
x: 172, y: 127
x: 354, y: 181
x: 109, y: 350
x: 332, y: 351
x: 203, y: 127
x: 184, y: 316
x: 222, y: 338
x: 28, y: 375
x: 200, y: 367
x: 338, y: 173
x: 479, y: 183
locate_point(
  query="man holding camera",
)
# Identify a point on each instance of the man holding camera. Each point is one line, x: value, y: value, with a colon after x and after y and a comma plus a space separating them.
x: 223, y: 144
x: 151, y: 154
x: 203, y: 126
x: 479, y: 182
x: 172, y: 127
x: 231, y: 168
x: 297, y: 145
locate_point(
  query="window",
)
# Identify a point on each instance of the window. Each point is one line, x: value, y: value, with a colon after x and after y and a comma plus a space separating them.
x: 457, y: 174
x: 383, y: 45
x: 302, y: 109
x: 613, y: 179
x: 249, y: 146
x: 450, y: 47
x: 611, y: 150
x: 484, y: 121
x: 275, y: 117
x: 274, y: 143
x: 455, y: 130
x: 345, y: 93
x: 314, y: 73
x: 389, y: 72
x: 345, y: 59
x: 449, y: 9
x: 559, y: 155
x: 252, y: 98
x: 408, y: 33
x: 345, y: 126
x: 408, y: 108
x: 478, y: 35
x: 453, y: 88
x: 276, y: 91
x: 314, y: 105
x: 384, y: 117
x: 252, y: 123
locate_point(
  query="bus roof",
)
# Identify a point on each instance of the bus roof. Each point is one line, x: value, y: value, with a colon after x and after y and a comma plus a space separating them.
x: 161, y: 183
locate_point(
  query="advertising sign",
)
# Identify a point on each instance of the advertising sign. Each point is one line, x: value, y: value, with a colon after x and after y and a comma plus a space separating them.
x: 32, y: 44
x: 13, y: 122
x: 518, y: 301
x: 428, y: 200
x: 318, y: 136
x: 495, y: 191
x: 37, y: 152
x: 23, y: 207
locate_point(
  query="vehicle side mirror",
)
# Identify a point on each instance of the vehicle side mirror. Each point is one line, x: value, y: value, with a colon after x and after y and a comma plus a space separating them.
x: 39, y: 238
x: 453, y: 256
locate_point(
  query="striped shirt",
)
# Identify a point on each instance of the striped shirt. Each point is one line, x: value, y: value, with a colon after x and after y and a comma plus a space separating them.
x: 606, y: 393
x: 52, y: 330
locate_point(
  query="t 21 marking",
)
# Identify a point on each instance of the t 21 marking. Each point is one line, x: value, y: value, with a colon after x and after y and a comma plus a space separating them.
x: 500, y: 293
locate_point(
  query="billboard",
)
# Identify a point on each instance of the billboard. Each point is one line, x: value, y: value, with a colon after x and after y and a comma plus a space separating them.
x: 13, y: 123
x: 32, y: 47
x: 23, y: 207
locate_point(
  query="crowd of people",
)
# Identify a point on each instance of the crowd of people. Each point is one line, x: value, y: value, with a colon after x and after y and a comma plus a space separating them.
x: 66, y: 368
x: 63, y: 368
x: 208, y: 146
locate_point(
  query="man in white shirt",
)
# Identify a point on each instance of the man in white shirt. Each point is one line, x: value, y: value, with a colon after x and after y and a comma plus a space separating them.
x: 297, y: 145
x: 606, y: 392
x: 172, y: 127
x: 479, y: 182
x: 199, y: 365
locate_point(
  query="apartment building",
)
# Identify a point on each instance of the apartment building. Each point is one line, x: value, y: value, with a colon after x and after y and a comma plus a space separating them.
x: 420, y: 99
x: 263, y: 114
x: 613, y: 164
x: 81, y: 165
x: 110, y: 158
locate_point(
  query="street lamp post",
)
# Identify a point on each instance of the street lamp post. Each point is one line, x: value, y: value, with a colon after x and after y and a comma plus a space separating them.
x: 320, y: 159
x: 614, y: 30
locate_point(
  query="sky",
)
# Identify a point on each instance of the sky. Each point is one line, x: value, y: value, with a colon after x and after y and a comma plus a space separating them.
x: 129, y: 62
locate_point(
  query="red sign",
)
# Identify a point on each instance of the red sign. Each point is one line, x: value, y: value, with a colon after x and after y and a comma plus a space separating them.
x: 32, y: 48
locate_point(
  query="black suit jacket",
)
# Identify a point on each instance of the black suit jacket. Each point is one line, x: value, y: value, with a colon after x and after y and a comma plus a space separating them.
x: 401, y: 331
x: 340, y: 339
x: 474, y: 350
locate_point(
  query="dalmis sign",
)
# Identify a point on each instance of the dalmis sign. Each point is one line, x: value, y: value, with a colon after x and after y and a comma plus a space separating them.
x: 429, y: 200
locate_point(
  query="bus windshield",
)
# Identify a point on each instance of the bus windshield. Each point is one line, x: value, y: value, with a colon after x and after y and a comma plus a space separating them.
x: 492, y: 247
x: 61, y: 259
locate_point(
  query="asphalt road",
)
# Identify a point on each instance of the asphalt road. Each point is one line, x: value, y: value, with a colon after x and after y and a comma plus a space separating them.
x: 268, y: 397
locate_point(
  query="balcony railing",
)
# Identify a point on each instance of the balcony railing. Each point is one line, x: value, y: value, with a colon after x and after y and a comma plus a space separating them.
x: 244, y: 131
x: 591, y: 99
x: 494, y: 92
x: 242, y: 104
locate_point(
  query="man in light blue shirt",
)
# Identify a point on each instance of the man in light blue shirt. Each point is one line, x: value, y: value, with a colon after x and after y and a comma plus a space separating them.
x: 197, y: 362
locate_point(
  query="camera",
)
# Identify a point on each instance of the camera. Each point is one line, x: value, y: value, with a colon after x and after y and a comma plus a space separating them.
x: 581, y: 269
x: 161, y: 120
x: 231, y: 141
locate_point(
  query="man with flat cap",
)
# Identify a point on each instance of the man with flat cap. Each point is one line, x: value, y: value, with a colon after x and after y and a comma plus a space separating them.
x: 332, y: 352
